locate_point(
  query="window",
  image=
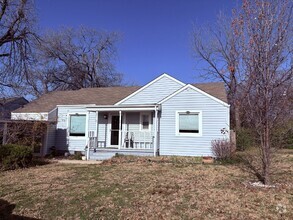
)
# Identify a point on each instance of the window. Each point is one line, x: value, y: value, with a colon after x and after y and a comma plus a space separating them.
x: 77, y: 125
x: 188, y: 123
x: 145, y: 121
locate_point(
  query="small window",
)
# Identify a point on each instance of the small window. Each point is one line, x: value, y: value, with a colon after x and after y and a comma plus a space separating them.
x: 77, y: 125
x: 188, y: 123
x: 145, y: 121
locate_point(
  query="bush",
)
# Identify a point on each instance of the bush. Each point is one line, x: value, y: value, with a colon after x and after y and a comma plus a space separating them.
x: 15, y: 156
x: 77, y: 156
x: 223, y: 149
x: 244, y: 139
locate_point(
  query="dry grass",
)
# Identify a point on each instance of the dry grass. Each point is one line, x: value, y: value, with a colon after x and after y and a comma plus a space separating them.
x: 147, y: 188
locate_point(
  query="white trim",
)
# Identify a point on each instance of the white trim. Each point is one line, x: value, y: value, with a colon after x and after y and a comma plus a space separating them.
x: 150, y: 83
x: 177, y: 133
x: 120, y: 130
x: 151, y: 108
x: 110, y: 128
x: 155, y: 133
x: 195, y: 89
x: 86, y: 125
x: 37, y: 116
x: 140, y: 121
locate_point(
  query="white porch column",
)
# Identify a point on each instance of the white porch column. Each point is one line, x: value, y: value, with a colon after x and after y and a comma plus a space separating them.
x: 156, y: 132
x: 120, y: 130
x: 97, y: 129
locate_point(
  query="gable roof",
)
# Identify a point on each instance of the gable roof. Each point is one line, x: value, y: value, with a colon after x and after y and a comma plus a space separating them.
x: 104, y: 96
x: 216, y: 89
x: 206, y: 86
x: 86, y: 96
x: 149, y: 84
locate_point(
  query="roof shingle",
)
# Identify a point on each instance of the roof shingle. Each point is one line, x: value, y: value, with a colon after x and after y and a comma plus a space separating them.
x: 103, y: 96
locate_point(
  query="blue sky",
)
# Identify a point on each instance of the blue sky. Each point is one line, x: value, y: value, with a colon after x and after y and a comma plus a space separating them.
x: 156, y: 34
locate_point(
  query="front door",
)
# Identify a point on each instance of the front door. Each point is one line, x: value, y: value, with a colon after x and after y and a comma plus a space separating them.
x: 114, y: 130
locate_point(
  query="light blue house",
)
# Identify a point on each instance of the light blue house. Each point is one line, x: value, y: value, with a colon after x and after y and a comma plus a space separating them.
x: 164, y: 117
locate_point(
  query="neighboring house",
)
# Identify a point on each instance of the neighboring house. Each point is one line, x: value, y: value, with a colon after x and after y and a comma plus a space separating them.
x: 164, y: 117
x: 7, y: 105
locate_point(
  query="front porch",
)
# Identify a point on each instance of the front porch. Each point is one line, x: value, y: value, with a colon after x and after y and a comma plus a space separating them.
x: 128, y: 130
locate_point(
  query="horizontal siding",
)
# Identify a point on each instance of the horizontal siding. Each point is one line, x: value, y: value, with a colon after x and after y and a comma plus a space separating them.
x: 76, y: 144
x: 155, y: 92
x: 214, y: 118
x: 63, y: 142
x: 104, y: 154
x: 102, y: 129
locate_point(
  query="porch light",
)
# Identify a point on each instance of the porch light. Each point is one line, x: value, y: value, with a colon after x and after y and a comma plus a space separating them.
x: 105, y: 116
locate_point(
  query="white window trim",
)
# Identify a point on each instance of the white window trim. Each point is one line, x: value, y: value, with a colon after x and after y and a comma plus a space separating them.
x: 199, y: 112
x: 140, y: 121
x: 86, y: 125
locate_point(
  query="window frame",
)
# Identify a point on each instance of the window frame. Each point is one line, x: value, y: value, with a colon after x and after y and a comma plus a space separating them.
x: 186, y: 134
x: 69, y: 121
x: 141, y: 121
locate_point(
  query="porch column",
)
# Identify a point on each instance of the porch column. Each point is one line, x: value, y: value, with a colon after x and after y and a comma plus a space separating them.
x: 156, y: 132
x: 120, y: 131
x: 97, y: 129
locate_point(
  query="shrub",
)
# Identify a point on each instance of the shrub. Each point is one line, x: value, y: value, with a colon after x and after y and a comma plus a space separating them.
x: 223, y: 149
x: 77, y: 156
x: 244, y: 139
x: 15, y: 156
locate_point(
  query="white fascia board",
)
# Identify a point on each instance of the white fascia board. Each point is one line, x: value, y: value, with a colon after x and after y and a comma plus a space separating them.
x: 150, y: 83
x: 76, y: 106
x: 124, y: 108
x: 197, y: 90
x: 37, y: 116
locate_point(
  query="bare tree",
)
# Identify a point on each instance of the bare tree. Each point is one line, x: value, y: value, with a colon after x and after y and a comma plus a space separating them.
x: 16, y: 19
x: 253, y: 55
x: 265, y: 31
x: 217, y: 49
x: 74, y: 59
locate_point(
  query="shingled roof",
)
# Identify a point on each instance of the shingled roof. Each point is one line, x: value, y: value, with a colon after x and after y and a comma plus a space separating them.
x: 98, y: 96
x: 102, y: 96
x: 216, y: 89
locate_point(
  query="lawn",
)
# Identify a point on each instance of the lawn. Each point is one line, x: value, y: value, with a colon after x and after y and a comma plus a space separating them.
x: 147, y: 188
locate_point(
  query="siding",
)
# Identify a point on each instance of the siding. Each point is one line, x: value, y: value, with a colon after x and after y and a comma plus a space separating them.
x: 132, y: 124
x: 102, y: 130
x: 214, y: 118
x: 155, y: 92
x: 63, y: 142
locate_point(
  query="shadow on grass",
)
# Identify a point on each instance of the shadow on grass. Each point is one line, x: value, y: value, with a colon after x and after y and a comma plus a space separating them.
x: 38, y: 161
x: 6, y: 210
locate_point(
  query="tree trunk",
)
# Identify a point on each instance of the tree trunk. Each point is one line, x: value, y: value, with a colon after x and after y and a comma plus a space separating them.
x: 237, y: 116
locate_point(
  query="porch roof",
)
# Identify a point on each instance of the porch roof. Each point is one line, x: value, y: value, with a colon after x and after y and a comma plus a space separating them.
x: 124, y: 107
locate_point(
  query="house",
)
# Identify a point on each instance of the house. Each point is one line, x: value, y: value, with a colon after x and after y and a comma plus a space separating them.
x: 164, y: 117
x: 7, y: 105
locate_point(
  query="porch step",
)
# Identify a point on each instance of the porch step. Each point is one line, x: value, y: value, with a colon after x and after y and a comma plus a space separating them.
x: 105, y: 154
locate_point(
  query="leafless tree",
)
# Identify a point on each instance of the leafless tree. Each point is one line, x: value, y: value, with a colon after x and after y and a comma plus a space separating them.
x: 217, y: 49
x: 16, y: 30
x: 265, y: 30
x: 253, y: 55
x: 73, y: 59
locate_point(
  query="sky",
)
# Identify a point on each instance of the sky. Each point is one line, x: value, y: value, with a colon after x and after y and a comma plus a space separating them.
x: 156, y: 34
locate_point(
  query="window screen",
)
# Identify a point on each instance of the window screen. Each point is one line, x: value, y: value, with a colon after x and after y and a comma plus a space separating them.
x: 145, y: 122
x: 77, y: 125
x: 188, y: 123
